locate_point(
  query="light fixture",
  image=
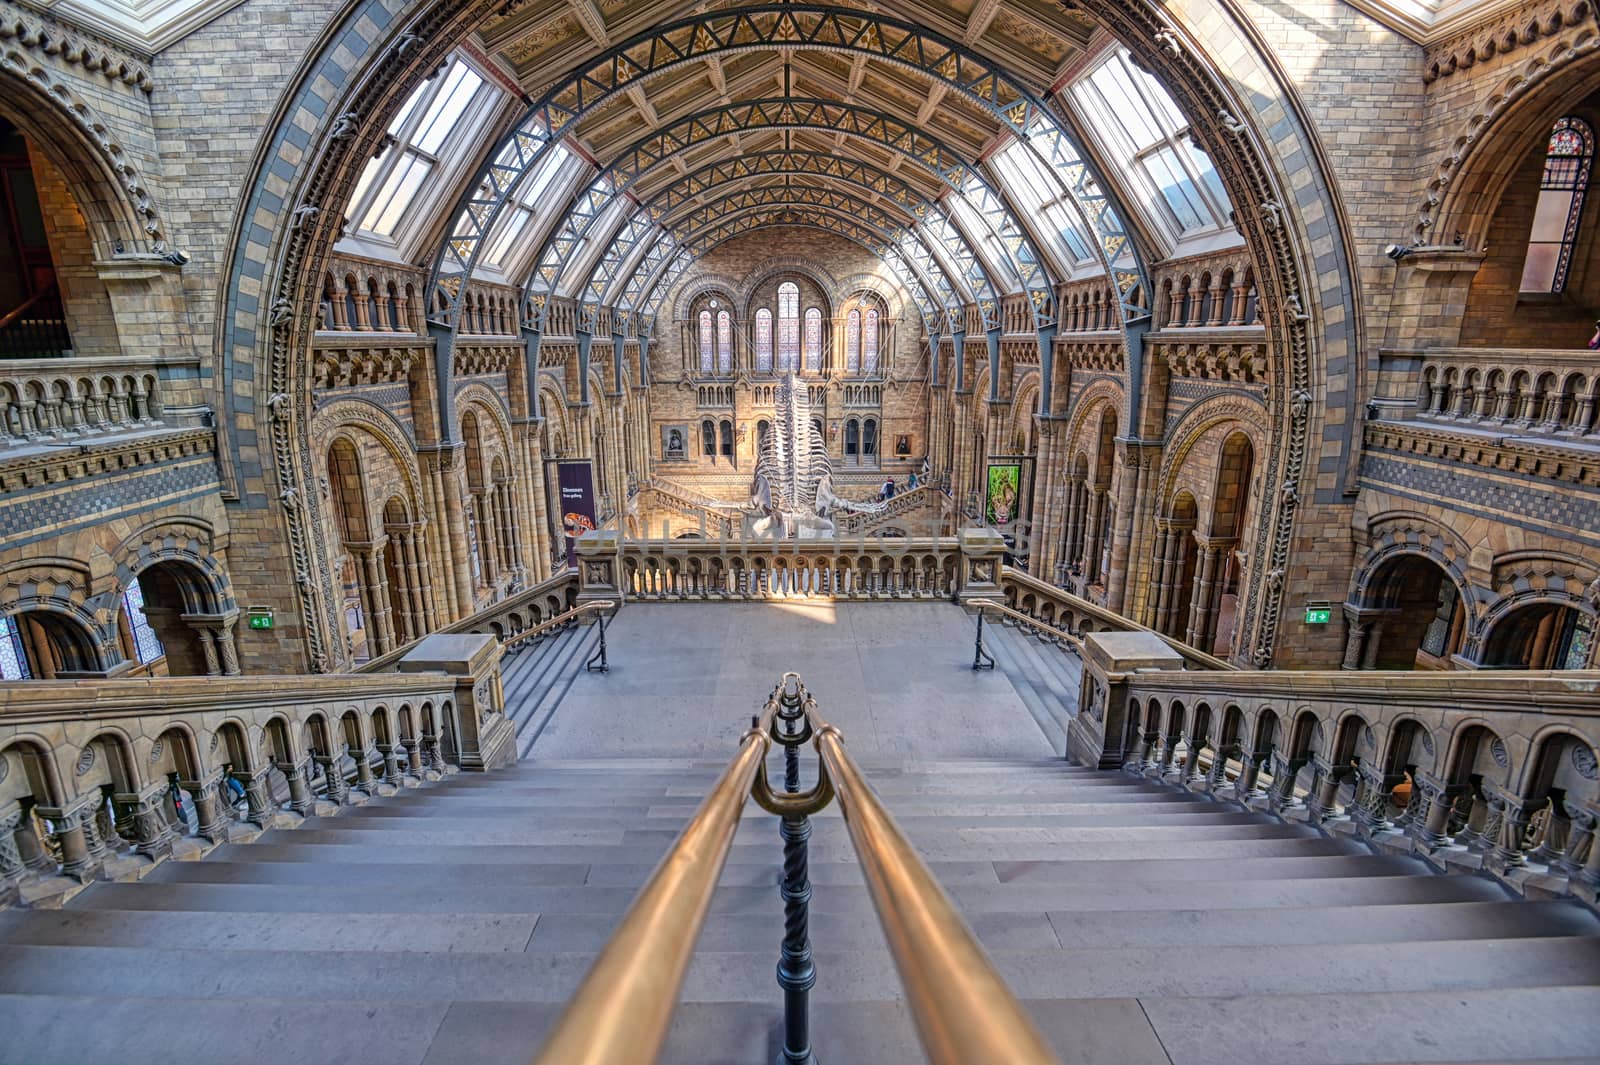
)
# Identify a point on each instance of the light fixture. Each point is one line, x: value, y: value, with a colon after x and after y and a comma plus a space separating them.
x: 1396, y: 251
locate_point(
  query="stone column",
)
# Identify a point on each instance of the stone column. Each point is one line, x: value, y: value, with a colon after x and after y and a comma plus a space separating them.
x: 1355, y: 638
x: 257, y: 797
x: 366, y: 783
x: 336, y: 790
x: 1161, y: 575
x: 212, y: 824
x: 413, y: 751
x: 1430, y: 825
x: 74, y: 839
x: 378, y: 583
x: 391, y: 763
x: 301, y: 801
x: 1514, y: 814
x: 26, y: 837
x: 1200, y: 605
x: 1557, y: 831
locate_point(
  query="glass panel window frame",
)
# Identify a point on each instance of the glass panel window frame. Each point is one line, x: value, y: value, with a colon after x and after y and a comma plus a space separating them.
x: 788, y: 327
x: 707, y: 343
x: 146, y: 644
x: 724, y: 343
x: 429, y: 132
x: 13, y: 657
x: 1136, y: 120
x: 813, y: 340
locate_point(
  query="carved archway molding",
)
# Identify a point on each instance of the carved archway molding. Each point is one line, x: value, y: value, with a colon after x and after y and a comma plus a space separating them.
x: 1242, y: 411
x: 129, y: 214
x: 1273, y: 222
x: 1456, y: 195
x: 698, y: 285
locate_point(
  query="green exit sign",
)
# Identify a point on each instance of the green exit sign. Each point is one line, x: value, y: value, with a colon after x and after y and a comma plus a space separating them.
x: 261, y: 619
x: 1318, y: 615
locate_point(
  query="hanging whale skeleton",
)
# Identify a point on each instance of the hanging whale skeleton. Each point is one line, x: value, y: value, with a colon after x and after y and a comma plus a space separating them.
x: 793, y: 485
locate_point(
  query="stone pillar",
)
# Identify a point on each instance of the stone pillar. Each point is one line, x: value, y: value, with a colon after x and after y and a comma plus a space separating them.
x: 212, y: 824
x: 257, y: 797
x: 982, y: 552
x: 298, y: 775
x: 74, y: 839
x: 1161, y: 575
x: 413, y: 750
x: 26, y: 837
x: 378, y: 581
x: 1092, y: 533
x: 391, y: 763
x: 336, y: 789
x: 1514, y: 812
x: 1200, y: 601
x: 214, y: 633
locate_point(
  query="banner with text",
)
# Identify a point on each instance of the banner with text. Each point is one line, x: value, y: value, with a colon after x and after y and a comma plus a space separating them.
x: 575, y: 484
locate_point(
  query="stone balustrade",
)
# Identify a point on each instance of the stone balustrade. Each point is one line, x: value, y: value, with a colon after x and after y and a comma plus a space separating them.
x: 1514, y: 393
x: 53, y: 401
x: 1482, y: 771
x: 97, y: 778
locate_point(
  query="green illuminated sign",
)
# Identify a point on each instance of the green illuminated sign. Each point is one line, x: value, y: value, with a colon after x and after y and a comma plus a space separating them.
x: 261, y: 619
x: 1318, y: 615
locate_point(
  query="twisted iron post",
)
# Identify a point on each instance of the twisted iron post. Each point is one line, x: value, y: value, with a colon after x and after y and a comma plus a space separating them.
x: 981, y: 658
x: 797, y: 975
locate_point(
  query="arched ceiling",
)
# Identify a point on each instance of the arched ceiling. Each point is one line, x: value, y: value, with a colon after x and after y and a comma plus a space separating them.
x: 705, y: 121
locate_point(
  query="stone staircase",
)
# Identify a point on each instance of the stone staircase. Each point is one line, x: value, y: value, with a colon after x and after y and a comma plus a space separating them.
x: 1046, y: 677
x: 1138, y: 923
x: 538, y: 674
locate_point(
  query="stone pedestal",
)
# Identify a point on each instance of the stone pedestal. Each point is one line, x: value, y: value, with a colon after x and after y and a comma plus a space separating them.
x: 600, y: 573
x: 982, y: 552
x: 1099, y: 734
x: 485, y: 737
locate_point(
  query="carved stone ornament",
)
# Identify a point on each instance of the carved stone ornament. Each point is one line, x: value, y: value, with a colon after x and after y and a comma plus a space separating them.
x: 345, y: 126
x: 85, y: 761
x: 155, y: 751
x: 5, y: 768
x: 1583, y: 760
x: 1427, y: 743
x: 1497, y: 751
x: 1368, y: 739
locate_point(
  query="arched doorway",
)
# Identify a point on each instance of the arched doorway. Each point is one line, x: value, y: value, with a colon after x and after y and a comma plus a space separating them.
x: 44, y: 645
x: 1414, y: 616
x: 1541, y: 636
x: 171, y: 622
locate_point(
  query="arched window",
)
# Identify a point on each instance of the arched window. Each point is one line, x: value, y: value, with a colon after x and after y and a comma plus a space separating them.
x: 13, y: 661
x: 869, y: 343
x: 727, y: 439
x: 816, y: 423
x: 788, y: 327
x: 705, y: 342
x: 852, y: 440
x: 852, y: 341
x: 813, y: 346
x: 708, y: 439
x: 146, y: 644
x: 869, y: 437
x: 1567, y: 160
x: 724, y: 342
x: 763, y: 431
x: 763, y: 341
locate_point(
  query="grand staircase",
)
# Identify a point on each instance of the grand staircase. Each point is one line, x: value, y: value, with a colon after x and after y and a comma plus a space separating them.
x: 1137, y: 922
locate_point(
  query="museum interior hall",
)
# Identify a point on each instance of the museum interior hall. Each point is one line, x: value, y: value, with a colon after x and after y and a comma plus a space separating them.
x: 721, y: 532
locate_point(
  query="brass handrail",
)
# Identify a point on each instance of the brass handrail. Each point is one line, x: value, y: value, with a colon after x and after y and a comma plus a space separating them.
x: 559, y: 620
x: 963, y: 1010
x: 621, y: 1012
x: 1000, y: 608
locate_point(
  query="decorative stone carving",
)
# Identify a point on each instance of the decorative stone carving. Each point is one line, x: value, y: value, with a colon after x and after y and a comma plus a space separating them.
x: 85, y: 761
x: 1583, y: 760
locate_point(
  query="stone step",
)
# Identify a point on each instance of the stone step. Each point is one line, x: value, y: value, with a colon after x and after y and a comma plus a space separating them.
x: 1150, y: 973
x: 508, y: 896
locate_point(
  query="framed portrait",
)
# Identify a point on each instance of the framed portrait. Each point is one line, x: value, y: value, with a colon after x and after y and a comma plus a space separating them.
x: 902, y: 446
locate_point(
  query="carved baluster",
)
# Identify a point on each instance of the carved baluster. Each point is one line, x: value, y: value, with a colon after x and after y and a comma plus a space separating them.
x: 1556, y: 833
x: 301, y: 799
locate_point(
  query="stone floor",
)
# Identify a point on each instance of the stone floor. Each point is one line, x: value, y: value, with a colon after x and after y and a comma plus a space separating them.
x: 895, y: 678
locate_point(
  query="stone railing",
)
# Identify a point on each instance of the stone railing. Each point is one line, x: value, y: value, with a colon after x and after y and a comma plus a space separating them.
x: 1207, y: 291
x: 860, y: 568
x: 1505, y: 392
x: 503, y: 620
x: 1060, y: 609
x: 1481, y: 771
x: 76, y: 400
x: 98, y: 778
x: 912, y: 499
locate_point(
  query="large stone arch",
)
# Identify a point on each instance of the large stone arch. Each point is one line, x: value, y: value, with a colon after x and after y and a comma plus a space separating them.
x: 1200, y: 419
x: 338, y: 104
x: 185, y: 540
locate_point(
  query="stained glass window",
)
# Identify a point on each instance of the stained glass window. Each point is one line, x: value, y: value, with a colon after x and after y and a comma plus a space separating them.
x: 1567, y: 161
x: 788, y: 327
x: 869, y: 343
x: 813, y: 344
x: 724, y: 342
x: 13, y: 663
x: 705, y: 342
x: 852, y: 342
x: 763, y: 341
x: 146, y: 644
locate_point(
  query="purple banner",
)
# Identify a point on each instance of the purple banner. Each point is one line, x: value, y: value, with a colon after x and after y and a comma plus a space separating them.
x: 575, y: 489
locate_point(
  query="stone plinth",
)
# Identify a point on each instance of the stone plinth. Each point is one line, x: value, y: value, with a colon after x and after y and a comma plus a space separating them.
x: 484, y: 736
x: 1099, y: 734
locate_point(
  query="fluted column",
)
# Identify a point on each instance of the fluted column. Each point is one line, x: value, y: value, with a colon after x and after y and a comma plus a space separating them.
x: 1200, y: 600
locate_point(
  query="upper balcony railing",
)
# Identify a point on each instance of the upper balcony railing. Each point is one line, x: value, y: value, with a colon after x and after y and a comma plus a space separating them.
x: 77, y: 400
x: 1541, y: 393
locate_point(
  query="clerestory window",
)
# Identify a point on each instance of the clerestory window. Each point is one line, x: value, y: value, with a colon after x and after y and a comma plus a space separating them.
x: 1568, y: 158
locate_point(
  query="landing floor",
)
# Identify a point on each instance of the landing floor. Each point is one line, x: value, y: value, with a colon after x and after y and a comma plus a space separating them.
x: 895, y: 678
